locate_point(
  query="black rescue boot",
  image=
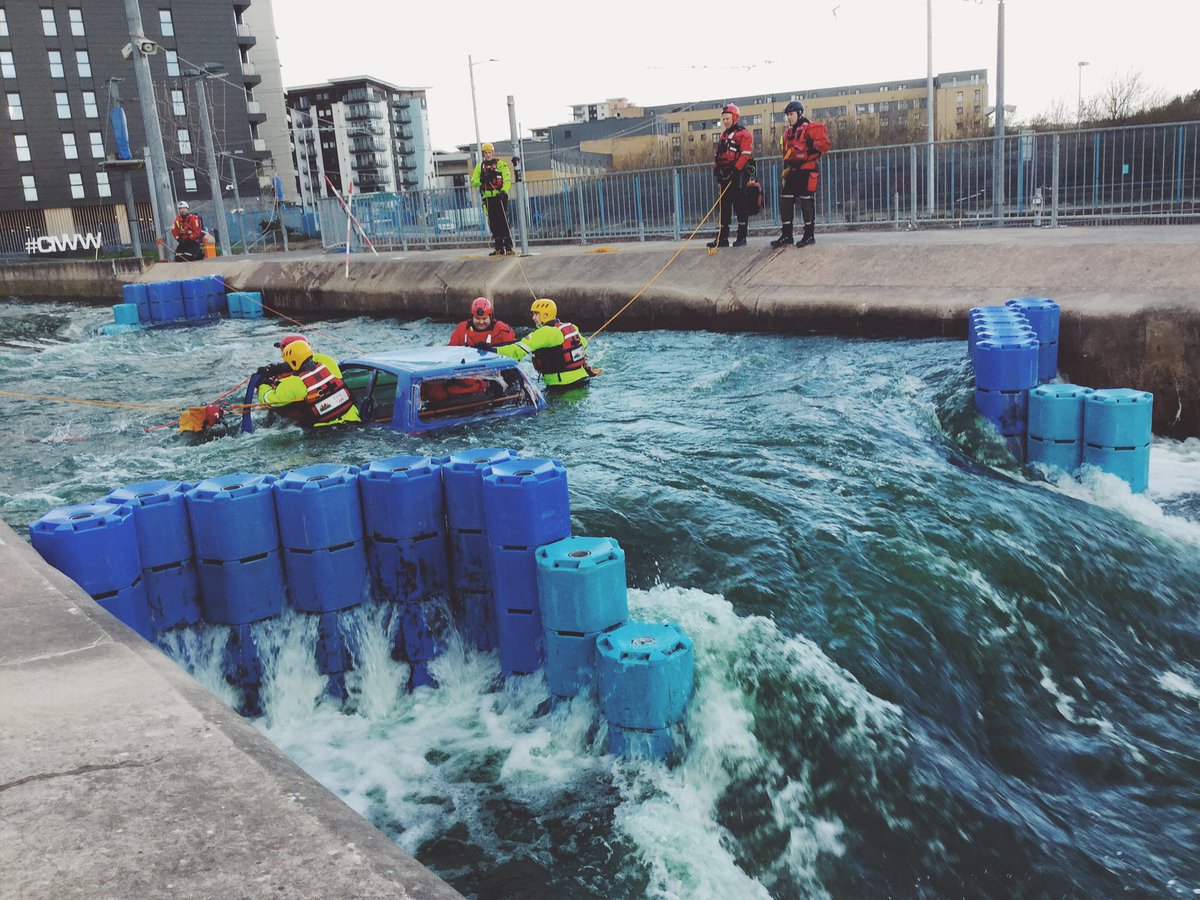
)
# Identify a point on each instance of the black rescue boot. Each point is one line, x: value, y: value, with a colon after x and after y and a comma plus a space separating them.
x: 785, y: 239
x: 807, y: 240
x: 740, y: 241
x: 721, y: 240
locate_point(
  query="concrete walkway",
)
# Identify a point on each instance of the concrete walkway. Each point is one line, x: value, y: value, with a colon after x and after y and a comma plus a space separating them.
x: 120, y: 776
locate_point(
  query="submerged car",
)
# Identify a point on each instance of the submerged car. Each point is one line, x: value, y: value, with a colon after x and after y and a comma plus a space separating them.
x: 425, y: 388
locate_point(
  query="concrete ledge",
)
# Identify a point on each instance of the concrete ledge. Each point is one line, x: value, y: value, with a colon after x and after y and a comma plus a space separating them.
x: 120, y: 776
x: 98, y: 281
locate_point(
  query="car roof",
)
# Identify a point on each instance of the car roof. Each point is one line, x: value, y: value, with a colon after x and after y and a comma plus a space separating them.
x: 431, y: 360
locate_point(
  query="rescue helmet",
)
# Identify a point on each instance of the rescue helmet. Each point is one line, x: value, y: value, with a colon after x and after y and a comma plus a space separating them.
x: 296, y: 354
x: 545, y: 310
x: 487, y: 148
x: 481, y: 306
x: 795, y: 106
x: 289, y: 339
x: 183, y: 204
x: 732, y: 109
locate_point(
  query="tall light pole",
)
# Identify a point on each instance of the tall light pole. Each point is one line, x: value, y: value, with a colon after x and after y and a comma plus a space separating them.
x: 471, y: 64
x: 929, y: 99
x: 1079, y: 103
x: 210, y: 153
x: 140, y: 48
x: 998, y: 152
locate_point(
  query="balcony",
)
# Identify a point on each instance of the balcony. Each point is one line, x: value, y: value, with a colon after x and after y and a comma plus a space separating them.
x: 404, y: 147
x: 402, y: 119
x: 244, y: 36
x: 407, y: 166
x: 367, y: 145
x: 362, y: 95
x: 250, y: 73
x: 254, y: 110
x: 260, y: 146
x: 371, y: 161
x: 403, y: 134
x: 358, y: 111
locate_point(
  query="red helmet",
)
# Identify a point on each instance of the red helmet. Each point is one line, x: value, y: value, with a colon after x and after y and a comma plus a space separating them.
x: 733, y: 111
x: 289, y: 339
x: 481, y: 306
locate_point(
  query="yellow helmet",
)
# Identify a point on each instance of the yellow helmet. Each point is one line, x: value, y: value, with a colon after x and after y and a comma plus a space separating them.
x: 296, y: 353
x: 487, y: 148
x: 547, y: 310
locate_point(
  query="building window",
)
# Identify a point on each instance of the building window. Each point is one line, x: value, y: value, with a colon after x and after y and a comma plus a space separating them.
x: 959, y: 112
x: 7, y: 69
x: 56, y: 66
x: 172, y: 63
x: 165, y: 24
x: 185, y: 142
x: 958, y: 97
x: 15, y: 111
x: 189, y: 180
x: 102, y: 185
x: 177, y: 105
x: 30, y: 187
x: 76, y: 16
x: 22, y: 142
x: 89, y: 104
x: 84, y: 62
x: 97, y: 140
x: 76, y: 185
x: 3, y: 23
x: 977, y: 96
x: 48, y: 26
x: 70, y: 151
x: 63, y: 102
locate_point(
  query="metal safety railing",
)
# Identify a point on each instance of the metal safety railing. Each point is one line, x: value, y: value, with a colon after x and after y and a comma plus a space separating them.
x: 1107, y: 175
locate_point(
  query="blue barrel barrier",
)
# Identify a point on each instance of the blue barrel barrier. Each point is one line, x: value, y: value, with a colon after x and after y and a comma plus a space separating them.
x: 242, y: 666
x: 196, y: 298
x: 1117, y: 434
x: 166, y: 301
x: 244, y: 304
x: 997, y: 319
x: 96, y: 546
x: 138, y: 295
x: 1055, y: 436
x: 526, y: 504
x: 462, y: 475
x: 582, y: 593
x: 126, y: 314
x: 644, y: 676
x: 1044, y: 315
x: 165, y: 546
x: 402, y: 498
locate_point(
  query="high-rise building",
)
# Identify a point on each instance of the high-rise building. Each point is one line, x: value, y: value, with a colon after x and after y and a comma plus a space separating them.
x: 360, y: 131
x: 57, y: 60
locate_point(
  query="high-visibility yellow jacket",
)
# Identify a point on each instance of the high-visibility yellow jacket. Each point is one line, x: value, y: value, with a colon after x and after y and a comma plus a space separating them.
x: 295, y: 398
x: 558, y: 353
x: 492, y: 177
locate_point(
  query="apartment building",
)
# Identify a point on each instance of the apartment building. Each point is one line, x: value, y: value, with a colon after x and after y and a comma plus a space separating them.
x: 360, y: 131
x: 61, y: 64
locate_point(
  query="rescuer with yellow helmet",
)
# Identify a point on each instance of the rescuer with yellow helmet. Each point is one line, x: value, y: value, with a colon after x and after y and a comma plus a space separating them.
x: 493, y: 179
x: 310, y: 392
x: 557, y: 348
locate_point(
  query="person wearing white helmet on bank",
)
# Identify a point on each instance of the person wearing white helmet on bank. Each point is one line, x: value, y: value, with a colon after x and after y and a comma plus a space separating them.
x: 310, y: 392
x: 493, y: 179
x: 558, y: 348
x: 188, y: 231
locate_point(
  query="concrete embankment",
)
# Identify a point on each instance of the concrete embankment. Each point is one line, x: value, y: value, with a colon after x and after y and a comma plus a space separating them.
x: 1131, y: 315
x: 120, y: 776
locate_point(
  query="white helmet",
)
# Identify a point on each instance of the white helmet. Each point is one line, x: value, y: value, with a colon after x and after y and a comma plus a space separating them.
x: 183, y: 204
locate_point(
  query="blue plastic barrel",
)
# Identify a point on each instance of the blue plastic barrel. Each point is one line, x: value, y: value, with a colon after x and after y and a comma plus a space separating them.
x: 160, y: 515
x: 166, y: 301
x: 462, y: 479
x: 326, y: 580
x: 233, y: 302
x: 139, y: 296
x: 318, y: 506
x: 130, y: 605
x: 1056, y: 411
x: 196, y: 298
x: 125, y: 314
x: 241, y: 591
x: 644, y: 677
x: 518, y: 619
x: 476, y: 616
x: 570, y: 662
x: 526, y: 503
x: 470, y: 561
x: 242, y: 665
x: 233, y: 516
x: 1007, y: 410
x: 333, y: 656
x: 581, y: 584
x: 1118, y: 417
x: 93, y: 544
x: 425, y: 630
x: 1130, y: 464
x: 408, y: 571
x: 997, y: 331
x: 402, y: 497
x: 251, y: 303
x: 173, y: 594
x: 1006, y: 365
x: 1043, y: 314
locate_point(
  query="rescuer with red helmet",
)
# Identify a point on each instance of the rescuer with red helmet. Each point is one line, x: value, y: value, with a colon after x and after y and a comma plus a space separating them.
x: 804, y: 142
x: 733, y: 166
x: 483, y: 329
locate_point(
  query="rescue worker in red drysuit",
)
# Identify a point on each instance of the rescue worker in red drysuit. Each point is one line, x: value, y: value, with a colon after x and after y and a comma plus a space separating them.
x: 313, y: 394
x: 188, y: 231
x: 733, y: 166
x: 804, y: 143
x: 558, y: 348
x: 483, y: 329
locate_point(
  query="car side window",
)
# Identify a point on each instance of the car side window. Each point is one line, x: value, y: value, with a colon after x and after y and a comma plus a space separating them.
x: 383, y: 397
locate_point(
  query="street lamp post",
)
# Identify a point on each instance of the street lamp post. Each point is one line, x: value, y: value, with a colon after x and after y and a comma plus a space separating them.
x: 1079, y: 102
x: 929, y: 134
x: 998, y: 153
x: 210, y: 153
x: 471, y: 64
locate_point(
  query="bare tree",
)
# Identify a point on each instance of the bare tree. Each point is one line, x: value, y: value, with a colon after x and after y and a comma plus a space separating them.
x: 1123, y: 96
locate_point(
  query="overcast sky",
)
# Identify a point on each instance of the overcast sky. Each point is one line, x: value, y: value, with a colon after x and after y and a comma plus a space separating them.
x: 555, y: 54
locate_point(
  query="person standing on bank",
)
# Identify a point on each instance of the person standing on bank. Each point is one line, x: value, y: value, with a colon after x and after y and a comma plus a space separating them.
x: 804, y: 142
x: 733, y: 165
x: 493, y: 179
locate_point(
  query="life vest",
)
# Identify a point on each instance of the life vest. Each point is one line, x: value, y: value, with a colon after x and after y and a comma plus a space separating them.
x: 566, y: 357
x: 804, y: 143
x: 326, y: 399
x: 734, y: 146
x: 188, y: 227
x: 499, y: 333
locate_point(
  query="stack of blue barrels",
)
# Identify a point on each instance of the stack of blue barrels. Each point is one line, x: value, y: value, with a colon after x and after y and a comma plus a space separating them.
x: 165, y: 547
x: 321, y: 531
x: 582, y: 594
x: 404, y: 512
x: 96, y: 546
x: 1055, y: 437
x: 1117, y: 433
x: 1004, y: 350
x: 245, y: 304
x: 163, y: 302
x: 1043, y: 316
x: 470, y: 555
x: 526, y: 505
x: 645, y: 676
x: 236, y: 539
